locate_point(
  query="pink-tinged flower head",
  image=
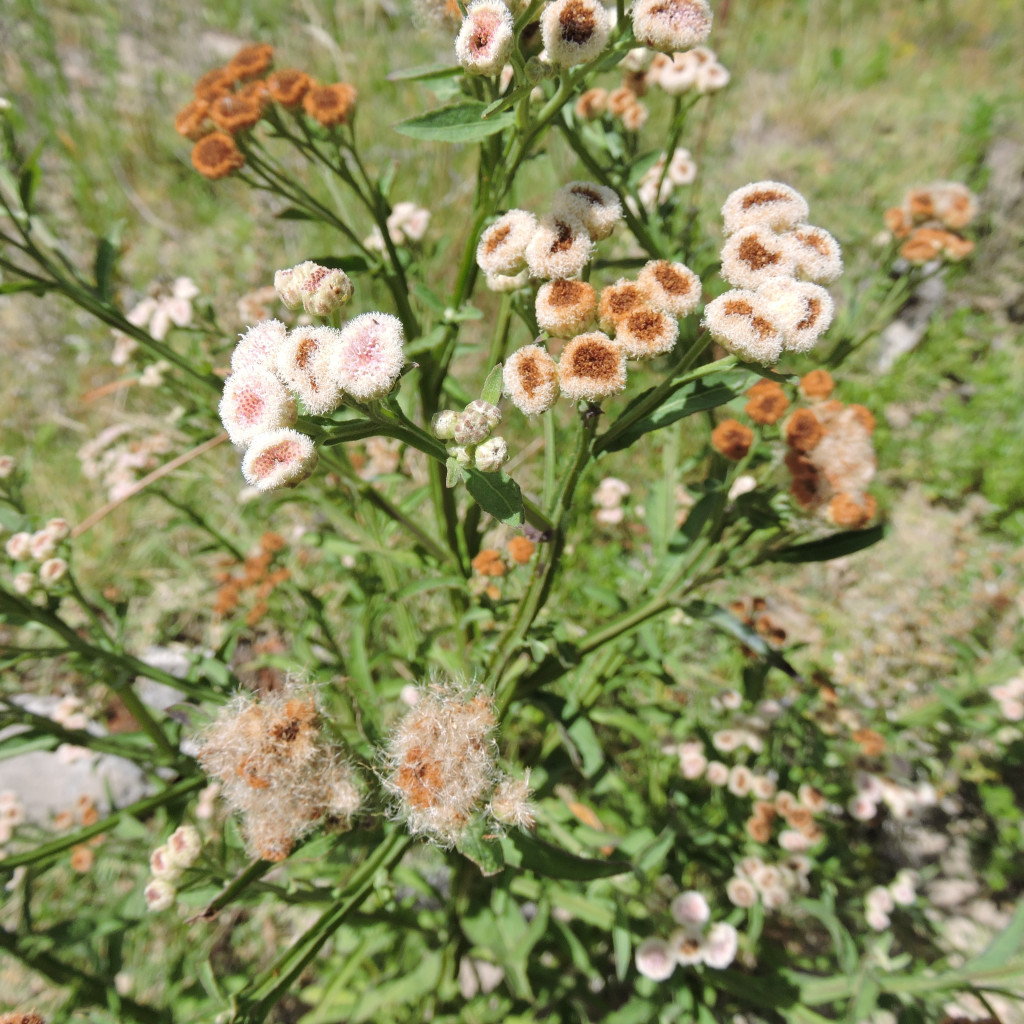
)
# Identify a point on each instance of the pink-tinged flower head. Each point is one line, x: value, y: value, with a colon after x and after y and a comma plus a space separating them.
x: 592, y: 367
x: 255, y: 402
x: 742, y: 322
x: 7, y: 466
x: 595, y: 206
x: 18, y: 545
x: 258, y: 347
x: 486, y: 38
x: 370, y: 358
x: 530, y: 380
x: 690, y: 908
x: 289, y: 282
x: 281, y: 458
x: 43, y: 545
x: 769, y: 204
x: 574, y: 31
x: 671, y: 24
x: 720, y: 945
x: 160, y: 895
x: 655, y: 960
x: 325, y: 290
x: 304, y: 364
x: 502, y: 248
x: 52, y: 571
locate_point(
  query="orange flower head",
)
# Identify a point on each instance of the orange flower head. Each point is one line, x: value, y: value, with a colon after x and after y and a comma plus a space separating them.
x: 803, y: 431
x: 849, y: 513
x: 488, y: 563
x: 768, y: 402
x: 235, y: 113
x: 193, y: 120
x: 251, y: 61
x: 817, y: 385
x: 330, y: 105
x: 288, y: 86
x: 732, y: 439
x: 215, y: 83
x: 216, y: 156
x: 520, y: 550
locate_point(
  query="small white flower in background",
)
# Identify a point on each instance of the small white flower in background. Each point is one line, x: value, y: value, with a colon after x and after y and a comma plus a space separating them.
x: 52, y: 571
x: 167, y: 306
x: 654, y: 959
x: 161, y: 864
x: 903, y: 888
x: 24, y: 583
x: 159, y: 895
x: 153, y: 375
x: 877, y: 919
x: 690, y: 908
x: 1010, y: 698
x: 42, y: 545
x: 720, y: 945
x: 183, y: 846
x: 741, y: 891
x: 406, y: 223
x: 717, y: 773
x: 7, y: 466
x: 17, y: 546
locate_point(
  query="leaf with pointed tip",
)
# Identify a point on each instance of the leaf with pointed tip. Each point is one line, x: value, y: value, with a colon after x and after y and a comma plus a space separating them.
x: 462, y: 122
x: 492, y: 386
x: 498, y: 494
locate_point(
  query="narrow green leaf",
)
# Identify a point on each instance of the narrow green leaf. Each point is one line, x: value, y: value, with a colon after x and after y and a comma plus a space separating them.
x: 463, y: 122
x: 32, y: 287
x: 1005, y: 945
x: 424, y: 73
x: 350, y: 264
x: 492, y: 386
x: 548, y: 860
x: 351, y: 430
x: 834, y: 546
x: 497, y: 494
x: 294, y: 213
x: 107, y: 251
x: 432, y: 583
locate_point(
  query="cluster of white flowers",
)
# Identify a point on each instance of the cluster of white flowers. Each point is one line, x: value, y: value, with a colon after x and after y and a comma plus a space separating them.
x: 881, y: 900
x: 903, y: 802
x: 777, y: 263
x: 12, y: 814
x: 658, y: 182
x: 70, y: 712
x: 1010, y: 698
x: 38, y: 566
x: 608, y: 498
x: 406, y: 223
x: 165, y: 306
x: 698, y: 70
x: 166, y: 864
x: 773, y: 884
x: 470, y: 433
x: 117, y: 460
x: 694, y: 942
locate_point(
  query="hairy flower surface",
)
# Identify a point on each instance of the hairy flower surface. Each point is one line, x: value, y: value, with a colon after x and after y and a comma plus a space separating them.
x: 754, y: 255
x: 816, y: 254
x: 330, y: 105
x: 595, y: 206
x: 485, y: 40
x: 257, y: 348
x: 767, y: 402
x: 802, y: 310
x: 742, y: 322
x: 560, y: 247
x: 530, y: 380
x: 255, y: 402
x: 280, y: 458
x: 441, y: 761
x: 287, y: 86
x: 592, y: 367
x: 647, y: 332
x: 671, y: 24
x: 768, y: 204
x: 617, y: 302
x: 670, y: 287
x: 369, y: 358
x: 574, y: 31
x: 216, y: 156
x: 304, y: 363
x: 565, y: 307
x: 502, y: 247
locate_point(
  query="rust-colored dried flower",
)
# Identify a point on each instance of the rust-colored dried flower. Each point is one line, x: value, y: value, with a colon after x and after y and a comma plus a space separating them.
x: 251, y: 61
x: 897, y: 221
x: 520, y: 550
x: 848, y: 512
x: 530, y: 380
x: 767, y: 402
x: 759, y: 829
x: 592, y: 104
x: 617, y: 301
x: 647, y: 332
x: 732, y: 439
x: 235, y: 113
x: 193, y: 120
x: 82, y: 859
x: 565, y: 307
x: 592, y: 367
x: 817, y: 385
x: 288, y: 86
x: 330, y: 105
x: 489, y: 563
x: 257, y: 92
x: 803, y: 431
x: 870, y: 742
x: 213, y: 84
x: 216, y: 156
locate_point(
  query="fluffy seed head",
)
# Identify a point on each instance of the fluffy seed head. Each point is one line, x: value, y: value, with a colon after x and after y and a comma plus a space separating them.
x: 560, y: 247
x: 254, y: 402
x: 486, y: 38
x: 768, y: 204
x: 592, y: 367
x: 754, y: 255
x: 671, y: 287
x: 440, y: 761
x: 670, y: 25
x: 304, y: 363
x: 741, y: 322
x: 802, y: 310
x: 646, y: 332
x: 595, y: 206
x: 257, y: 349
x: 574, y: 31
x: 530, y: 380
x: 565, y: 307
x: 369, y: 359
x: 954, y: 204
x: 280, y: 458
x: 502, y: 248
x: 816, y: 254
x: 510, y: 804
x: 617, y: 302
x: 767, y: 402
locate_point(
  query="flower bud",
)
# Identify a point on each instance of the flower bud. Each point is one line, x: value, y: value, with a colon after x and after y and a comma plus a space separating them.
x: 17, y: 546
x: 159, y: 895
x: 162, y: 865
x: 460, y: 454
x: 325, y: 290
x: 24, y: 583
x: 491, y: 455
x: 491, y: 413
x: 289, y: 283
x: 471, y: 428
x: 52, y: 571
x: 183, y: 847
x: 443, y: 424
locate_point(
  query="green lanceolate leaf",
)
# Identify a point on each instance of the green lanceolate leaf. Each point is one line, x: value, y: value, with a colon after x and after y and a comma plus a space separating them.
x: 492, y: 386
x: 497, y: 494
x: 697, y: 396
x: 355, y: 430
x: 834, y: 546
x: 350, y: 264
x: 550, y: 861
x: 463, y: 122
x: 424, y: 73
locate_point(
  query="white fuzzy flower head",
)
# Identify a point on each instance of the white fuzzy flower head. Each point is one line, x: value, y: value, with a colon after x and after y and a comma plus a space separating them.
x: 304, y: 363
x: 52, y: 571
x: 24, y: 583
x: 878, y: 920
x: 325, y: 290
x: 254, y: 402
x: 565, y: 307
x: 443, y: 424
x: 162, y: 864
x: 560, y: 247
x: 511, y: 805
x: 690, y: 908
x: 647, y: 332
x: 592, y: 367
x: 741, y: 322
x: 711, y: 76
x: 281, y: 458
x: 720, y: 945
x: 407, y: 222
x: 490, y: 456
x: 289, y: 283
x: 674, y: 75
x: 160, y: 894
x: 741, y: 891
x: 816, y: 254
x: 42, y: 545
x: 58, y: 529
x: 530, y: 380
x: 769, y: 204
x: 754, y: 255
x: 802, y: 310
x: 486, y: 38
x: 574, y: 31
x: 670, y: 287
x: 502, y: 283
x: 654, y: 959
x: 793, y: 841
x: 257, y: 349
x: 670, y: 25
x: 740, y: 779
x: 687, y: 946
x: 502, y: 247
x: 717, y: 773
x: 369, y: 359
x: 595, y: 206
